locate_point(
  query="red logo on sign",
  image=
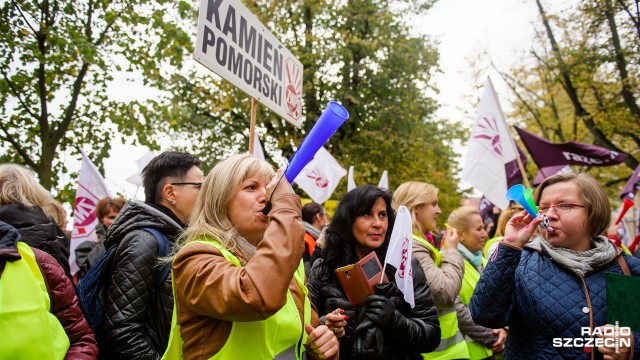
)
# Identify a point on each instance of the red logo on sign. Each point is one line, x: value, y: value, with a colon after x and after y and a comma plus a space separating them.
x: 405, y: 257
x: 293, y: 89
x: 321, y: 181
x: 84, y: 212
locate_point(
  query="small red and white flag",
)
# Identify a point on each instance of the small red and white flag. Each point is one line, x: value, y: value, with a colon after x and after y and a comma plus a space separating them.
x: 399, y: 254
x: 91, y: 188
x: 321, y: 176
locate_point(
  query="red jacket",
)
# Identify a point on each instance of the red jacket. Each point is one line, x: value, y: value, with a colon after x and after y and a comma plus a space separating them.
x: 64, y: 303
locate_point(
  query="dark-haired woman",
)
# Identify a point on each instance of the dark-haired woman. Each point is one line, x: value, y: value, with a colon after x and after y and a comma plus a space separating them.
x: 385, y: 327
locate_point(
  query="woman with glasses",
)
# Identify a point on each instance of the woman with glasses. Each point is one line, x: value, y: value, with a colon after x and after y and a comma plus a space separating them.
x: 553, y: 287
x: 239, y: 280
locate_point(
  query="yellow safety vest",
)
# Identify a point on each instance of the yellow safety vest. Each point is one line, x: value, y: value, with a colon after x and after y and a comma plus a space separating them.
x: 469, y: 281
x: 281, y: 336
x: 488, y: 244
x: 452, y: 344
x: 29, y: 330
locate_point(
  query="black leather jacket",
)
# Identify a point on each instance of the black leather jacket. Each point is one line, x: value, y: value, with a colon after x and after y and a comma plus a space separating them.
x: 137, y: 316
x: 410, y: 333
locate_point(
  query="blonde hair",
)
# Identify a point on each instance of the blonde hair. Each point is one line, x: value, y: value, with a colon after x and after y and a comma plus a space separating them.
x: 411, y: 194
x: 504, y: 218
x: 55, y: 211
x: 19, y: 186
x: 210, y: 217
x: 460, y: 218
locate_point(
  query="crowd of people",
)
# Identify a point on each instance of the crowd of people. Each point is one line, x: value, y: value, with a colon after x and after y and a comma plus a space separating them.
x: 201, y: 270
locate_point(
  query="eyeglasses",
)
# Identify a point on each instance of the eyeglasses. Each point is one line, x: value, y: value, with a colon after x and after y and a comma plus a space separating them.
x: 559, y: 208
x: 197, y: 185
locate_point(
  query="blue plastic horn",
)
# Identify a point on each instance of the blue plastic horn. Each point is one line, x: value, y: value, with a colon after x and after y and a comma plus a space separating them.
x: 333, y: 116
x: 519, y: 194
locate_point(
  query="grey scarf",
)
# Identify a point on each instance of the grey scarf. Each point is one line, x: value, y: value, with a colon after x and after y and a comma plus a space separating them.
x: 582, y: 262
x: 311, y: 230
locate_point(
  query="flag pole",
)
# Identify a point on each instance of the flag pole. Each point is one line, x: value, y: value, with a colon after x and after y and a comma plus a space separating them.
x: 525, y: 179
x: 252, y: 128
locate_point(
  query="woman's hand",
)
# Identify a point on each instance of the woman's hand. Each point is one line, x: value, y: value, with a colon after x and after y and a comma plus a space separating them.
x: 336, y: 322
x: 321, y: 341
x: 282, y: 188
x: 498, y: 346
x: 380, y: 310
x: 450, y: 239
x: 611, y: 353
x: 520, y: 229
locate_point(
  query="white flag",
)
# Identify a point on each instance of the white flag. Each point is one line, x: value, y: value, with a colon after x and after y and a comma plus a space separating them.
x: 351, y: 183
x: 136, y: 178
x: 399, y: 254
x: 321, y: 176
x: 257, y: 148
x: 91, y: 188
x: 490, y: 148
x: 384, y: 181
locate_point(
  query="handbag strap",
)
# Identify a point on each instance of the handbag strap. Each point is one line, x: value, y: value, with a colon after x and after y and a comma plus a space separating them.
x: 623, y: 265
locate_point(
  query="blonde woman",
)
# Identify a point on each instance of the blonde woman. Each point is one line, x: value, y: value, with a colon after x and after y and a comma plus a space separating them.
x: 482, y: 342
x: 22, y: 203
x: 238, y: 277
x: 444, y: 266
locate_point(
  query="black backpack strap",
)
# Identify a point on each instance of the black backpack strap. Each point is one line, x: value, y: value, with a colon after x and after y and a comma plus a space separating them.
x: 164, y: 248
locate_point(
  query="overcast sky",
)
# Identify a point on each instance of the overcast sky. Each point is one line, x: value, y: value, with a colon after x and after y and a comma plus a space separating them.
x: 464, y: 29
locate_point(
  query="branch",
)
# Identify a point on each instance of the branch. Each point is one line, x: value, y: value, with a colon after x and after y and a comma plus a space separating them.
x: 636, y: 21
x: 16, y: 93
x: 24, y: 17
x: 621, y: 63
x: 16, y: 145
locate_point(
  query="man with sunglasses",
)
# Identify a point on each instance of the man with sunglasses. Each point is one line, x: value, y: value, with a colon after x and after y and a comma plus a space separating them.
x: 137, y: 295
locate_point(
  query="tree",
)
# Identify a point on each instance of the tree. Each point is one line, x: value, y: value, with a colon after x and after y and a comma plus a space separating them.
x: 57, y: 59
x: 357, y: 52
x: 581, y: 81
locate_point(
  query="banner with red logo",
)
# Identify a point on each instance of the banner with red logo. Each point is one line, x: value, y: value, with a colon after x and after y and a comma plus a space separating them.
x: 399, y: 254
x: 321, y: 176
x: 91, y: 188
x: 234, y: 44
x: 490, y: 148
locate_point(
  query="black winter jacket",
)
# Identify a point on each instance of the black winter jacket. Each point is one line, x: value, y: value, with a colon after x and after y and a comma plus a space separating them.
x: 410, y: 333
x: 137, y: 316
x: 38, y: 231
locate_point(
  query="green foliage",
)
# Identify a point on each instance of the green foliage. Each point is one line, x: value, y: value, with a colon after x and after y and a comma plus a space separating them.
x: 359, y: 53
x: 586, y: 87
x: 56, y: 59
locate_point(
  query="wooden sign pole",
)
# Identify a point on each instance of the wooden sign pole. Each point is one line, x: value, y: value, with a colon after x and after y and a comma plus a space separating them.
x: 252, y: 128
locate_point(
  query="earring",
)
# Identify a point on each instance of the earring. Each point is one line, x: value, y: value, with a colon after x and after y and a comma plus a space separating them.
x: 172, y: 202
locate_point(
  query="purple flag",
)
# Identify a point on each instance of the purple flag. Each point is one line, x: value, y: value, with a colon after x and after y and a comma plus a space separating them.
x: 550, y: 170
x: 486, y: 207
x: 546, y: 153
x: 632, y: 186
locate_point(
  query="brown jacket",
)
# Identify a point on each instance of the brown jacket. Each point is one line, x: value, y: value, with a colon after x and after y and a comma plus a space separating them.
x: 444, y: 281
x: 211, y: 292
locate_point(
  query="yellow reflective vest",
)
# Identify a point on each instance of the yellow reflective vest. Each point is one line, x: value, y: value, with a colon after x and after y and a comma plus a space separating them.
x: 452, y: 344
x: 469, y: 281
x: 28, y: 329
x: 281, y: 336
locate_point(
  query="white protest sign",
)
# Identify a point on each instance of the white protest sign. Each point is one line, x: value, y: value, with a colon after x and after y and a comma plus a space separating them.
x: 233, y: 43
